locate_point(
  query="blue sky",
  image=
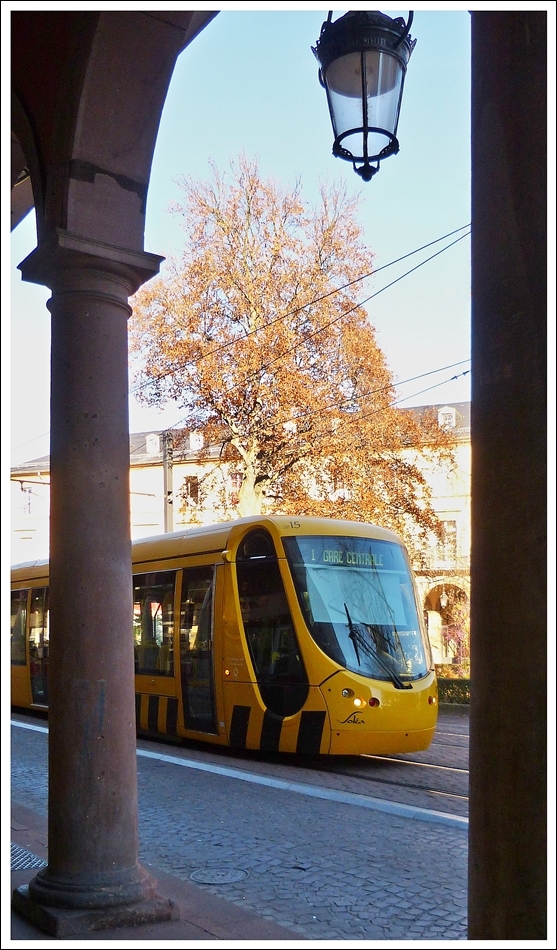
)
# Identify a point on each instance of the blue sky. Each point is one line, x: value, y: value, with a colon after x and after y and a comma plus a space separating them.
x: 249, y: 82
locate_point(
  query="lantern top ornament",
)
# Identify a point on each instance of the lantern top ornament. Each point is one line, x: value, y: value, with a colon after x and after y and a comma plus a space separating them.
x: 362, y: 65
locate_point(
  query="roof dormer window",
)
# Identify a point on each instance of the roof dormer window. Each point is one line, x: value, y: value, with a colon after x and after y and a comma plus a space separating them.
x: 153, y: 444
x: 446, y: 417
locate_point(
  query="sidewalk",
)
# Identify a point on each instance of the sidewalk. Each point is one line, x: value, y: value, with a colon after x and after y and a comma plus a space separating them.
x: 203, y: 916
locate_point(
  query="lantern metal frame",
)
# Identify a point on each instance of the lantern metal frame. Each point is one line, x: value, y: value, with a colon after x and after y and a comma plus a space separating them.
x: 363, y: 32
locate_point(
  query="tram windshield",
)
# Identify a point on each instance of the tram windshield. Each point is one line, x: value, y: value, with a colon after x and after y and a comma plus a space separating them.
x: 357, y: 598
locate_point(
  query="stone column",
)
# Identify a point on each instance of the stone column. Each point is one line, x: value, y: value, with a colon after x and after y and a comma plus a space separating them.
x: 92, y: 816
x: 508, y: 847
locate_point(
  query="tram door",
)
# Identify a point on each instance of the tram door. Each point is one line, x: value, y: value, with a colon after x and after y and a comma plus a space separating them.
x: 196, y: 649
x: 38, y: 645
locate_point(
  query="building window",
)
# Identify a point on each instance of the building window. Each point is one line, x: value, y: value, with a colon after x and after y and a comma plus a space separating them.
x: 191, y: 489
x: 26, y: 506
x: 196, y: 441
x: 340, y: 488
x: 447, y: 547
x: 235, y: 483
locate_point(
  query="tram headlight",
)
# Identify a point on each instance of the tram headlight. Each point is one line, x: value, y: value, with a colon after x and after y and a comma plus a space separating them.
x: 348, y: 693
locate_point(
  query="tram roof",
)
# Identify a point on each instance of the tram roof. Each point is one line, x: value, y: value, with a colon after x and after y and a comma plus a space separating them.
x: 208, y: 539
x: 215, y: 537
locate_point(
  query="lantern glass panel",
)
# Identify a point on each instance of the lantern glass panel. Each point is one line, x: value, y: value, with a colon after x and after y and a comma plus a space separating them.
x: 383, y: 83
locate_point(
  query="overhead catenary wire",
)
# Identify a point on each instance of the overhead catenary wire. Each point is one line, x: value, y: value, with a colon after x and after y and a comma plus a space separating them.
x: 355, y: 417
x: 359, y: 416
x: 374, y: 392
x: 380, y: 389
x: 315, y: 300
x: 396, y: 402
x: 345, y: 313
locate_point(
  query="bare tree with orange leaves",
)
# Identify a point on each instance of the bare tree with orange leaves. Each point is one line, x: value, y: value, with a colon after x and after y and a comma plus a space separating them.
x: 257, y: 333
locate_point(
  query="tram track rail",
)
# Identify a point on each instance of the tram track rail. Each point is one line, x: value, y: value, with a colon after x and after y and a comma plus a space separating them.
x: 435, y: 779
x: 368, y: 784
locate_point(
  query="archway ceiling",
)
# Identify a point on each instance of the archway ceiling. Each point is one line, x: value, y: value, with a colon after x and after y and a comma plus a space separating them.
x: 50, y: 54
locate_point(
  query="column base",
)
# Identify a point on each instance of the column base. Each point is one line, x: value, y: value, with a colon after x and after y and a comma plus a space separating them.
x: 59, y: 922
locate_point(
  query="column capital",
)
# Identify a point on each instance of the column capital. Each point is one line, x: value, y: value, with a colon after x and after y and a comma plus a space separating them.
x: 63, y: 251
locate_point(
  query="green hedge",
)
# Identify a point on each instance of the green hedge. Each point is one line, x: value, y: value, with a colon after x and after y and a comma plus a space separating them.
x: 454, y: 690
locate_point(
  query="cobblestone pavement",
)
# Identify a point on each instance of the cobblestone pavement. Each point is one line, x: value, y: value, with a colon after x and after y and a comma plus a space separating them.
x: 327, y: 870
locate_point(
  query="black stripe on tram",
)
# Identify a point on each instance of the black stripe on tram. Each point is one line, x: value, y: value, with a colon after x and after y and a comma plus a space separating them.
x: 270, y: 732
x: 138, y: 710
x: 310, y: 732
x: 239, y: 726
x: 153, y: 714
x: 172, y: 716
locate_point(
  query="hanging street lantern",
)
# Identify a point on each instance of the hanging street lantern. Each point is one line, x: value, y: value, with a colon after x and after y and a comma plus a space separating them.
x: 362, y: 64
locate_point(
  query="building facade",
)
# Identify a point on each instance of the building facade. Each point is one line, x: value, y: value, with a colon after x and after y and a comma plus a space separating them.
x: 444, y: 575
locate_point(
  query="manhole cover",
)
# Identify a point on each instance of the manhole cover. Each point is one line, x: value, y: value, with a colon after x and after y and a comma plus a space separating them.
x: 218, y: 875
x: 21, y: 859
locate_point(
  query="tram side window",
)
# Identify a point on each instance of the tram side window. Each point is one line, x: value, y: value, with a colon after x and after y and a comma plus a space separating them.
x: 196, y: 610
x: 267, y: 621
x: 268, y: 626
x: 153, y: 622
x: 18, y: 624
x: 196, y: 649
x: 38, y: 624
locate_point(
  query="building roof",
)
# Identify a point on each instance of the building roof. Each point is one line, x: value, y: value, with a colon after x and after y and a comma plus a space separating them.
x: 455, y: 415
x: 148, y: 446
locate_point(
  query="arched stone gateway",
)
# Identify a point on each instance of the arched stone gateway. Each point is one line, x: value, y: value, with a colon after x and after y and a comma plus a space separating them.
x: 447, y: 611
x: 87, y: 105
x: 88, y: 89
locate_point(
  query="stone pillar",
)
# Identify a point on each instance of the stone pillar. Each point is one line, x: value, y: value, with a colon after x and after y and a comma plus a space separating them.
x: 93, y: 879
x: 508, y: 848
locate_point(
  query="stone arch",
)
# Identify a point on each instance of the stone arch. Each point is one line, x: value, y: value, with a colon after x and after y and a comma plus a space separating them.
x: 87, y: 111
x: 26, y: 181
x: 446, y: 603
x: 86, y: 115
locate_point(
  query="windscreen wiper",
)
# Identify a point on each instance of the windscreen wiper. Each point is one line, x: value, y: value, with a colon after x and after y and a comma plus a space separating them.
x: 395, y: 643
x: 352, y: 635
x: 359, y: 641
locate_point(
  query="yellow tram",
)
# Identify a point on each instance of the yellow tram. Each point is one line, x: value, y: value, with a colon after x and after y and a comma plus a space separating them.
x: 284, y: 635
